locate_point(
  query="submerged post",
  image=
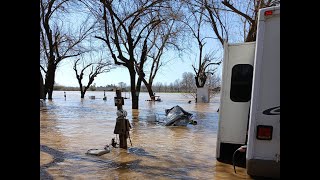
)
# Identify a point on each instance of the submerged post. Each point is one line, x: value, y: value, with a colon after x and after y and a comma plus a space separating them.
x: 122, y: 124
x: 104, y: 95
x: 118, y: 100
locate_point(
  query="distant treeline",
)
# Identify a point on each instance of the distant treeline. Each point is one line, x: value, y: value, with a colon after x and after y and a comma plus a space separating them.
x: 185, y: 85
x: 162, y: 88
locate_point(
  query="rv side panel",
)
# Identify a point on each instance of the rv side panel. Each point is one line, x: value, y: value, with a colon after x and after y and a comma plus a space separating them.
x: 263, y: 150
x: 234, y: 102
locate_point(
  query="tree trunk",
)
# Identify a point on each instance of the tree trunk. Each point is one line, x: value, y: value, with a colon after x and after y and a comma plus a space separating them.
x: 41, y: 87
x: 49, y: 82
x: 150, y: 91
x: 200, y: 82
x: 203, y: 82
x: 50, y: 95
x: 135, y: 100
x: 82, y: 94
x: 134, y: 91
x: 251, y: 36
x: 151, y: 94
x: 199, y: 85
x: 197, y: 82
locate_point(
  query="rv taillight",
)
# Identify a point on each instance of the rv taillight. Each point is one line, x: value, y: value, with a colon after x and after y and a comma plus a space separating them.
x: 264, y: 132
x: 268, y: 13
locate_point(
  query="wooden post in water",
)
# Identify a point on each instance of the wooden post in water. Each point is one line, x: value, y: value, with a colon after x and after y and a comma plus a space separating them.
x: 104, y: 95
x: 118, y: 99
x: 121, y: 127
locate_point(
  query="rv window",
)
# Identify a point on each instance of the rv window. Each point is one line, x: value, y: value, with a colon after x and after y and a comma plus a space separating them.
x: 241, y: 82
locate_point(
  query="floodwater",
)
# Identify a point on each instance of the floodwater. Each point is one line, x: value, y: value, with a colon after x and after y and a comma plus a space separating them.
x: 70, y: 127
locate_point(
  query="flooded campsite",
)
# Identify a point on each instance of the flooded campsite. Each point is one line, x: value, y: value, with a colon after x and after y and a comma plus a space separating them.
x: 161, y: 89
x: 70, y: 126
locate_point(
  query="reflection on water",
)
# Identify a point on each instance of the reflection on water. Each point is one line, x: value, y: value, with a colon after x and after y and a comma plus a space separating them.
x: 71, y: 126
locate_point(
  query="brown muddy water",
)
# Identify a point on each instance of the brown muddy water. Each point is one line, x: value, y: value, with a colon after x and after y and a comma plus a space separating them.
x: 69, y: 127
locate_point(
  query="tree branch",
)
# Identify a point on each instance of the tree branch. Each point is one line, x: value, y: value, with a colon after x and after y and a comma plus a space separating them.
x: 226, y: 3
x: 43, y: 69
x: 214, y: 24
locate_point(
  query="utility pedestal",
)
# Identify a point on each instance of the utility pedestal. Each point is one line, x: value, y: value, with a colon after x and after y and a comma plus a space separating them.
x: 203, y: 95
x: 122, y: 124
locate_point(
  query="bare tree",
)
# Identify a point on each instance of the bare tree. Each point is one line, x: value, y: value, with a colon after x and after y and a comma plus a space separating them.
x: 163, y: 38
x: 177, y: 86
x: 187, y: 84
x: 57, y: 42
x: 127, y: 26
x: 159, y: 86
x: 93, y: 68
x: 205, y: 68
x: 195, y: 22
x: 171, y: 87
x: 214, y: 15
x: 213, y: 12
x: 247, y: 10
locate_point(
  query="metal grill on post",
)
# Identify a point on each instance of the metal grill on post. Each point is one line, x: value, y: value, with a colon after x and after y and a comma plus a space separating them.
x: 122, y: 124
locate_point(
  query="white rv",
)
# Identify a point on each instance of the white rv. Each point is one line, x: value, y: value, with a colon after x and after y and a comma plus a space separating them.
x: 235, y: 99
x: 249, y: 116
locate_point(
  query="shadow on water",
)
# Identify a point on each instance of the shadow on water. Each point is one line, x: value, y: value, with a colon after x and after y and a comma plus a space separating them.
x: 140, y: 152
x: 59, y: 156
x: 172, y: 169
x: 133, y: 165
